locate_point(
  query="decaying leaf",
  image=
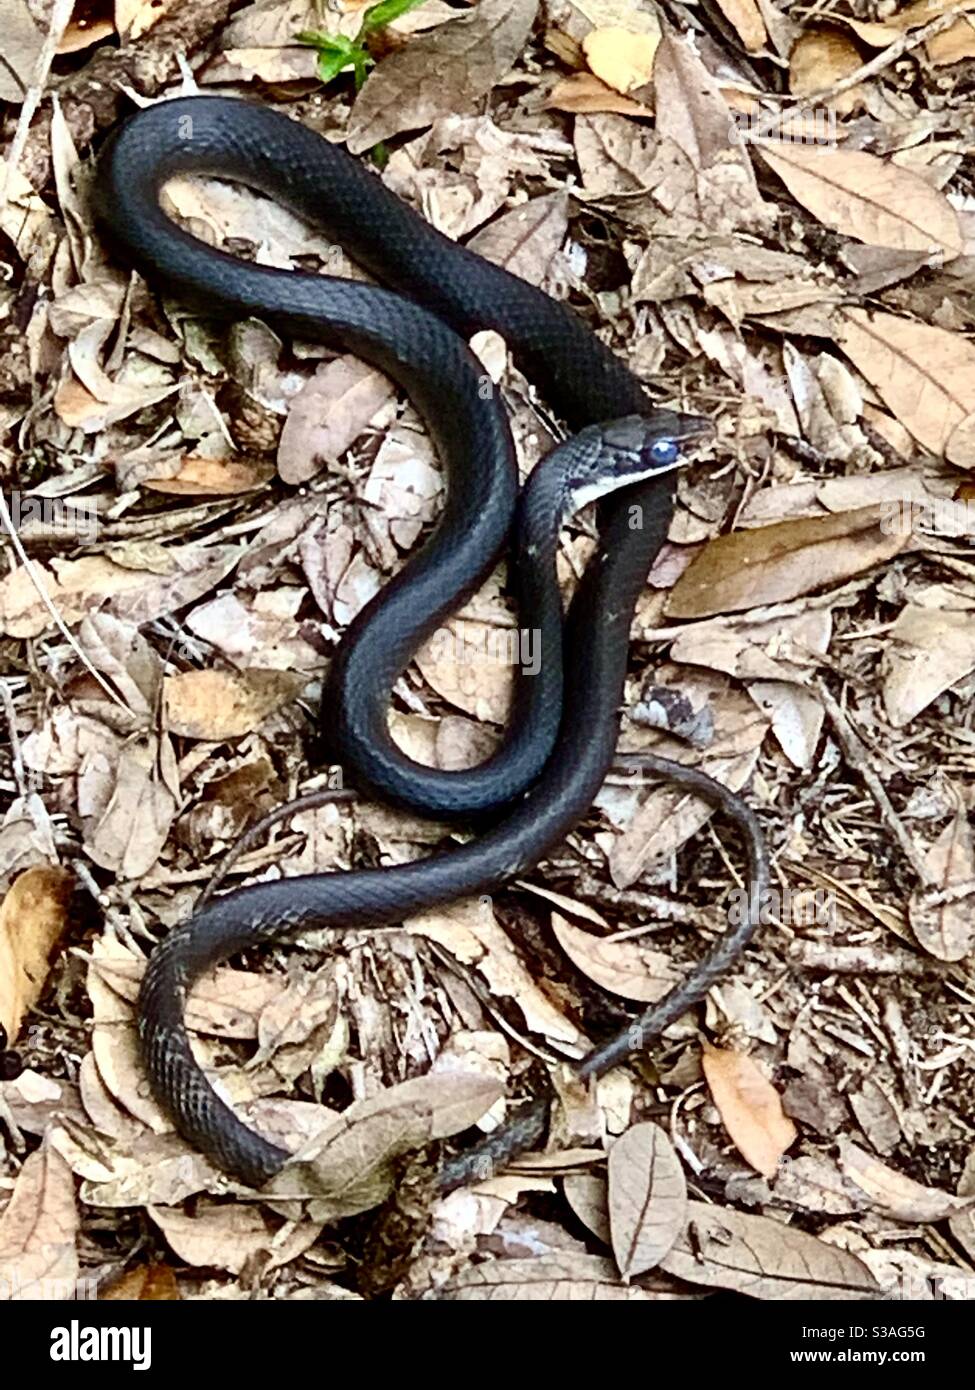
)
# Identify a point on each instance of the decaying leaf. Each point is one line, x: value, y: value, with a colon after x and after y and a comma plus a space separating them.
x: 222, y: 705
x: 626, y: 968
x: 468, y: 55
x: 894, y: 1194
x: 347, y: 1167
x: 932, y: 647
x: 624, y: 61
x: 647, y: 1198
x: 33, y: 918
x: 545, y: 1279
x: 771, y: 564
x: 726, y: 1249
x: 924, y: 375
x: 750, y: 1107
x: 941, y: 920
x: 38, y: 1230
x: 862, y: 196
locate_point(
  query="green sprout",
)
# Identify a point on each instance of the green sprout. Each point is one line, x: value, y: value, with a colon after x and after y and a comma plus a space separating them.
x: 336, y: 53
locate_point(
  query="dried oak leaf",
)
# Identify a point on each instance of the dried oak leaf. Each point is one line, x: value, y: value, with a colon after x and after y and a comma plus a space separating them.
x: 38, y: 1229
x: 924, y: 375
x: 868, y: 198
x: 33, y: 917
x: 750, y: 1107
x: 771, y: 564
x: 625, y: 968
x: 647, y: 1198
x: 219, y: 705
x: 468, y: 55
x: 547, y: 1278
x: 725, y: 1249
x: 347, y: 1168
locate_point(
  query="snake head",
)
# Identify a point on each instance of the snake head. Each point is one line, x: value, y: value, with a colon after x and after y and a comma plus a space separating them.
x: 602, y: 458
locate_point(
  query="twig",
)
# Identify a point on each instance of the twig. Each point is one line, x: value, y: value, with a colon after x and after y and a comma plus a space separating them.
x: 877, y: 64
x: 31, y: 570
x: 60, y: 16
x: 856, y: 755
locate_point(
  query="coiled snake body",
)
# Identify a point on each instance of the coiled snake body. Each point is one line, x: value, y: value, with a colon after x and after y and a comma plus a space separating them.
x: 562, y: 737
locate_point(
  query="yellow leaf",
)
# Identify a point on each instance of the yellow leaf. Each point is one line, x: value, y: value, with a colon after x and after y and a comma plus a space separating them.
x: 622, y: 60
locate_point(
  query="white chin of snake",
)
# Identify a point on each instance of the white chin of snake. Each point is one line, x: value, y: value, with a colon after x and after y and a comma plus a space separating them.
x: 611, y: 482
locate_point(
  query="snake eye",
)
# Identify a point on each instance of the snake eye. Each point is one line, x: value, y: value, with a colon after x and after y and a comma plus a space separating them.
x: 664, y: 451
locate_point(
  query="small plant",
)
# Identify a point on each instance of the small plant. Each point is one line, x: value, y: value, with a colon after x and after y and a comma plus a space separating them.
x: 336, y: 53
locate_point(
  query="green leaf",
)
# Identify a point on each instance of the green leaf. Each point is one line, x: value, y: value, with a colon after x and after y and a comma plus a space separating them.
x: 384, y: 13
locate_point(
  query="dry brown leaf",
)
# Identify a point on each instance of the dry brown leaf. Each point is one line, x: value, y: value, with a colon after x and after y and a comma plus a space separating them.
x: 820, y: 58
x: 526, y: 238
x: 931, y: 648
x: 745, y: 17
x: 33, y: 918
x: 623, y: 60
x: 726, y: 1249
x: 647, y: 1198
x: 22, y: 45
x: 218, y: 705
x: 750, y: 1108
x: 924, y: 375
x: 955, y: 45
x: 583, y: 93
x: 328, y: 415
x: 469, y: 56
x: 148, y: 1283
x: 38, y: 1230
x: 347, y: 1168
x: 625, y: 968
x: 129, y: 809
x: 892, y: 1193
x: 544, y: 1279
x: 232, y: 1237
x: 587, y: 1195
x: 206, y: 477
x: 880, y: 33
x: 946, y: 928
x: 78, y: 587
x: 771, y: 564
x: 868, y: 198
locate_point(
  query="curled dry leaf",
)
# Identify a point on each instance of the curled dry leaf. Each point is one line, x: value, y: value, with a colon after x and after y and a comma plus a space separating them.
x: 647, y: 1198
x: 771, y: 564
x: 38, y: 1230
x: 625, y: 968
x: 895, y: 1195
x: 750, y: 1108
x: 864, y: 197
x: 347, y: 1168
x: 218, y: 705
x: 944, y: 924
x: 924, y: 375
x: 33, y: 918
x: 583, y: 93
x: 469, y: 56
x: 725, y: 1249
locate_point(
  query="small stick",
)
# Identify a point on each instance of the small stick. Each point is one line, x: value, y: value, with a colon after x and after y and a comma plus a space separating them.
x: 856, y: 755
